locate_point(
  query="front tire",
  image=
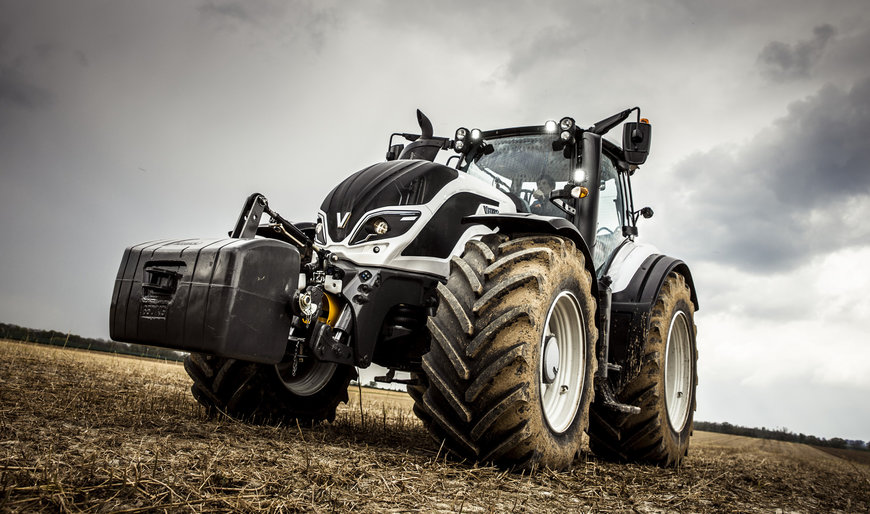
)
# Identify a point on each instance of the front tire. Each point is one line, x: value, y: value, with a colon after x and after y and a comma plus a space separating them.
x: 664, y: 389
x: 267, y: 393
x: 512, y: 310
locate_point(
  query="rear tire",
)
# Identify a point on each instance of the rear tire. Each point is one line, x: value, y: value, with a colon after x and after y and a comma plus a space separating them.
x: 266, y: 393
x: 664, y: 389
x: 509, y: 307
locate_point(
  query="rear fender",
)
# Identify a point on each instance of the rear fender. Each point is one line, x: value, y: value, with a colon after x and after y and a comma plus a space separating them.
x: 631, y: 308
x: 648, y: 279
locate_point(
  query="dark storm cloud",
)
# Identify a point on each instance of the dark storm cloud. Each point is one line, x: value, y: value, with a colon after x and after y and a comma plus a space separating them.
x: 797, y: 190
x: 311, y: 19
x: 782, y: 62
x: 18, y: 92
x: 318, y: 25
x: 233, y: 10
x: 532, y: 52
x: 45, y: 51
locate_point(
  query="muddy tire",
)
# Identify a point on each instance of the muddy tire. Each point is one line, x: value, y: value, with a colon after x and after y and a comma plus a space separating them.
x: 511, y: 311
x: 664, y: 389
x: 265, y: 393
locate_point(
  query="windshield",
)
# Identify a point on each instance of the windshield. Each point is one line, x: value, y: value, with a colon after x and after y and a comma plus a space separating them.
x: 522, y: 165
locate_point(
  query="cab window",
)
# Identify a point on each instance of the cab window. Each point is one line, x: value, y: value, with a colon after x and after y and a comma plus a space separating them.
x: 608, y: 234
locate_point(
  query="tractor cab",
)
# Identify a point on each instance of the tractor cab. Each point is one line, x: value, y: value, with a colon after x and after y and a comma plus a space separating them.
x: 554, y: 170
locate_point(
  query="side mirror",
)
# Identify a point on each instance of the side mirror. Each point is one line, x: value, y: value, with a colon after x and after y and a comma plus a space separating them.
x: 636, y: 138
x: 394, y: 152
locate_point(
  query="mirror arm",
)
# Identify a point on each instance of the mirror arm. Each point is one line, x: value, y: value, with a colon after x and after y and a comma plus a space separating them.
x: 603, y: 126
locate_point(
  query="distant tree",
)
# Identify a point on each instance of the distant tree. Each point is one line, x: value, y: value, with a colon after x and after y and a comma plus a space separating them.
x: 837, y: 442
x: 69, y: 340
x: 780, y: 434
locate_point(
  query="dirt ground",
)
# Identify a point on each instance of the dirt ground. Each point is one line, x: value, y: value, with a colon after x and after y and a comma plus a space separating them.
x: 82, y: 431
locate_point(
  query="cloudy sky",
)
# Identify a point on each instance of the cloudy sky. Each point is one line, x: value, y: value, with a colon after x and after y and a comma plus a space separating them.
x: 122, y: 122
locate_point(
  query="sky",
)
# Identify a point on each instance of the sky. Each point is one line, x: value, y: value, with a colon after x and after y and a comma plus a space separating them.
x: 123, y: 122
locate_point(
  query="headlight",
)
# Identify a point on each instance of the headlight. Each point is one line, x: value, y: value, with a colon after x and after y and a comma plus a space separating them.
x: 461, y: 133
x: 380, y: 226
x: 476, y: 134
x: 566, y: 123
x: 550, y: 127
x: 384, y: 225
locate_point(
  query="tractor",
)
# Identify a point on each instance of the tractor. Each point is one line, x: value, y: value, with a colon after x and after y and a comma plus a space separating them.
x: 498, y: 270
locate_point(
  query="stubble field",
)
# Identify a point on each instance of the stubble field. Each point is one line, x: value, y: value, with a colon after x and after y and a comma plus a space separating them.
x: 91, y: 432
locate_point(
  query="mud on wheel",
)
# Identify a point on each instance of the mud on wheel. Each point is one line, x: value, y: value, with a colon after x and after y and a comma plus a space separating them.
x: 508, y: 378
x: 664, y: 389
x: 268, y: 393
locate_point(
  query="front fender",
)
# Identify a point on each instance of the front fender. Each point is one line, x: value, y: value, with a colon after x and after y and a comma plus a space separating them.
x: 525, y: 223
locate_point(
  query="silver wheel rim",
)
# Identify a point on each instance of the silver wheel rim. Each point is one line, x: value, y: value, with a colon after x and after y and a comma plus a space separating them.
x: 309, y: 379
x: 678, y: 371
x: 561, y: 398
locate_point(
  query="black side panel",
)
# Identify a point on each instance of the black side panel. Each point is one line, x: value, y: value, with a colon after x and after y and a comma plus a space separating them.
x: 445, y: 228
x: 394, y: 183
x: 630, y: 313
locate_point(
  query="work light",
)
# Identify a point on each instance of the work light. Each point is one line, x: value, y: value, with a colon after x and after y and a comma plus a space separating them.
x: 579, y: 192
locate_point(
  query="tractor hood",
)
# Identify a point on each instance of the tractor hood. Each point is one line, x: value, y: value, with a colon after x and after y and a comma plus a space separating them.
x: 386, y: 184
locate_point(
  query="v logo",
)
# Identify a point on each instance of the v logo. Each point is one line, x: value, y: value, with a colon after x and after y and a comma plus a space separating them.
x: 342, y: 220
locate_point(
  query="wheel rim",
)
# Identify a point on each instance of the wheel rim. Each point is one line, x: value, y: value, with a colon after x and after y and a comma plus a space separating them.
x: 560, y: 397
x: 678, y: 371
x: 311, y: 376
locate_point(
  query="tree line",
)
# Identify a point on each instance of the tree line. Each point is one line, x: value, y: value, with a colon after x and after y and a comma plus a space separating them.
x: 55, y: 338
x: 782, y: 434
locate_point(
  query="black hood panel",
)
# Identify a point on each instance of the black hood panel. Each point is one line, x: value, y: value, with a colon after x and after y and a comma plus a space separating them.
x: 393, y: 183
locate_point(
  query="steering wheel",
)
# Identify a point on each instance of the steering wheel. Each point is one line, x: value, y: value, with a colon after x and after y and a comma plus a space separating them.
x: 526, y: 194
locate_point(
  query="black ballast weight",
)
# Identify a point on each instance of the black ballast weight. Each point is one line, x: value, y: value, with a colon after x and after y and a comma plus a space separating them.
x: 226, y: 297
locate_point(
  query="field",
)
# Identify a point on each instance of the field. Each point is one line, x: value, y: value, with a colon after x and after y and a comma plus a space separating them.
x: 83, y: 431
